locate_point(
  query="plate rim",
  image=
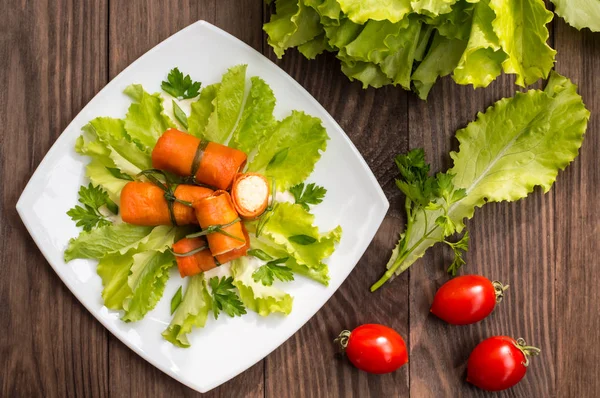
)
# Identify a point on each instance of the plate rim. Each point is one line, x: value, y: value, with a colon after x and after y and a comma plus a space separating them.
x: 382, y: 204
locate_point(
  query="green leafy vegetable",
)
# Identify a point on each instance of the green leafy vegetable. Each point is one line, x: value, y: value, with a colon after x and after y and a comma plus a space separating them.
x: 227, y: 105
x: 202, y: 109
x: 311, y: 195
x: 176, y: 300
x: 145, y: 121
x: 412, y: 43
x: 293, y: 24
x: 257, y: 118
x: 105, y: 240
x: 191, y: 312
x: 516, y: 145
x: 257, y: 297
x: 224, y: 297
x: 180, y: 115
x: 272, y: 270
x: 179, y: 86
x: 279, y: 229
x: 459, y: 248
x: 89, y: 216
x: 149, y: 273
x: 114, y: 270
x: 579, y: 13
x: 290, y: 152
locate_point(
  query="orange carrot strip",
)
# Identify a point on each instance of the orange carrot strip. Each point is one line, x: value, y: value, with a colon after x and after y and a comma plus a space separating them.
x: 195, y: 263
x: 175, y: 152
x: 217, y: 209
x: 236, y: 253
x: 250, y: 195
x: 143, y: 203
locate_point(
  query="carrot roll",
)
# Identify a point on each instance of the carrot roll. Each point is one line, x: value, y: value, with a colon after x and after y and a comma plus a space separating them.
x: 217, y: 210
x: 236, y: 253
x: 143, y: 203
x: 197, y: 260
x: 185, y: 155
x: 250, y: 195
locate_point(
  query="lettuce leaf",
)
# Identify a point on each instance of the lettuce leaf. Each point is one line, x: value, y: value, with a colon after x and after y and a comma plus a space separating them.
x: 201, y: 110
x: 97, y: 170
x: 114, y: 271
x: 314, y: 47
x: 319, y: 274
x: 227, y: 105
x: 191, y: 312
x: 368, y: 73
x: 145, y: 121
x: 149, y: 273
x: 517, y: 144
x: 482, y: 60
x: 257, y: 117
x: 147, y: 280
x: 293, y: 24
x: 441, y: 59
x: 522, y: 34
x: 290, y: 152
x: 360, y: 11
x: 289, y: 220
x: 257, y: 297
x: 102, y: 241
x: 112, y: 133
x: 432, y: 7
x: 579, y: 13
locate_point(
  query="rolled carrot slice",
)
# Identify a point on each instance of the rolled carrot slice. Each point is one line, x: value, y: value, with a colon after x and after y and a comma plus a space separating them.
x: 211, y: 163
x: 250, y: 195
x: 236, y: 253
x: 143, y: 203
x: 218, y: 210
x: 197, y: 262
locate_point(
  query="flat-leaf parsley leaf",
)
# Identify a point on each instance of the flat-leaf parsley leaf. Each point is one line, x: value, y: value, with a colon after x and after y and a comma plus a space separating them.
x: 224, y: 297
x: 88, y: 216
x: 312, y: 194
x: 179, y: 86
x: 271, y: 271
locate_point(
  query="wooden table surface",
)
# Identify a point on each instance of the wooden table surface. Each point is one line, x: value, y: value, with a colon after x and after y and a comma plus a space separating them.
x: 56, y: 55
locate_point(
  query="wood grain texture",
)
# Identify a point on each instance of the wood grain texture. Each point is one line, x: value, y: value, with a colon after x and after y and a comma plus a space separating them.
x: 53, y: 60
x: 546, y: 246
x: 577, y: 227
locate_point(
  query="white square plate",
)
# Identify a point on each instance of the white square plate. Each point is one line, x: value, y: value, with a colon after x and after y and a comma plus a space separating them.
x: 354, y: 200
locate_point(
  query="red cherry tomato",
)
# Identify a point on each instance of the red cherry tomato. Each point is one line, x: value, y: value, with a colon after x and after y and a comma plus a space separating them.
x: 499, y: 363
x: 467, y: 299
x: 374, y: 348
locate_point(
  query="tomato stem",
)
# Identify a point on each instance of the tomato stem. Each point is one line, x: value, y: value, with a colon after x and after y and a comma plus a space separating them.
x: 499, y: 288
x: 342, y: 340
x: 527, y: 350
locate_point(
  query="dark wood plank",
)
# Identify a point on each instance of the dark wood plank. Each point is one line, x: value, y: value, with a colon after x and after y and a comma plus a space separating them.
x: 52, y: 61
x: 135, y: 27
x: 306, y: 366
x: 577, y: 225
x: 511, y: 242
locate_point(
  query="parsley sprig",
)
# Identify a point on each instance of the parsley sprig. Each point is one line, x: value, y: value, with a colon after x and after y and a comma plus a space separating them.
x: 312, y: 194
x: 267, y: 273
x: 224, y: 297
x: 426, y: 195
x: 89, y: 216
x: 179, y: 86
